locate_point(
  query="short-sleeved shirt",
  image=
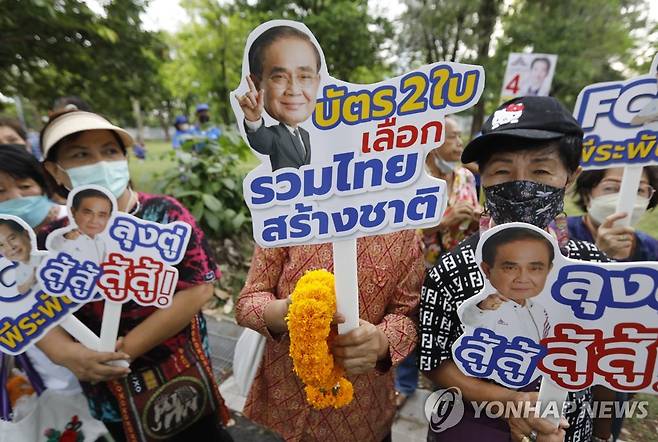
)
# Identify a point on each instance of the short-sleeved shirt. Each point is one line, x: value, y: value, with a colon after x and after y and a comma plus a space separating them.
x: 646, y: 246
x: 457, y: 278
x: 197, y: 267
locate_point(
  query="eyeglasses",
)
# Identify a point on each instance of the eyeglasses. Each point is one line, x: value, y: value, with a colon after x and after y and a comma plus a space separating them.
x: 283, y: 81
x: 607, y: 188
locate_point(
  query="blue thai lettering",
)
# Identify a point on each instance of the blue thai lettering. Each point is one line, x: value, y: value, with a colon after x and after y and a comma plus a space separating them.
x: 311, y: 189
x: 379, y: 212
x: 275, y: 229
x: 294, y: 186
x: 401, y: 168
x: 342, y: 225
x: 262, y: 188
x: 375, y: 166
x: 300, y: 224
x: 428, y: 198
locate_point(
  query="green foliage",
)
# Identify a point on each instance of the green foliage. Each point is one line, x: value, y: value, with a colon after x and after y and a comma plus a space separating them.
x: 596, y: 40
x: 208, y: 182
x: 52, y: 49
x: 589, y: 40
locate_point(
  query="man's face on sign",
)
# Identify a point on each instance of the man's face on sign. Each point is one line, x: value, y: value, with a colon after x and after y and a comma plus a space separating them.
x: 539, y: 72
x: 290, y: 80
x: 520, y: 269
x: 92, y: 215
x: 15, y: 246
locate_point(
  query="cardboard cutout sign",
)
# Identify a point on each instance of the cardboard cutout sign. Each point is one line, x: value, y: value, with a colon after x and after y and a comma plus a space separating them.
x: 340, y: 160
x: 577, y: 323
x: 105, y: 254
x: 102, y: 255
x: 620, y: 121
x: 528, y: 74
x: 27, y: 311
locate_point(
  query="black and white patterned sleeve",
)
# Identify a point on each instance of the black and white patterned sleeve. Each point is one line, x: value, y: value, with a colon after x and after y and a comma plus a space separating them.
x: 436, y: 320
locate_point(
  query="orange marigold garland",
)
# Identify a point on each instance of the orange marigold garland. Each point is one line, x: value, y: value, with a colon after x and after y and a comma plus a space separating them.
x: 309, y: 318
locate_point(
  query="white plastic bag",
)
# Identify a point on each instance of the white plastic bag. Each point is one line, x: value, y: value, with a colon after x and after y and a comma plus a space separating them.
x: 247, y: 358
x: 54, y: 412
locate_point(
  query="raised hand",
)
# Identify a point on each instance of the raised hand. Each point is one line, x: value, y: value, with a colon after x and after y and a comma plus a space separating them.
x: 615, y: 241
x: 252, y: 102
x: 492, y: 302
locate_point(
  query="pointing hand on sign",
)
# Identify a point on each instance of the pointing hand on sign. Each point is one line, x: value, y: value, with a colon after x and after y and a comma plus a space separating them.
x: 252, y: 102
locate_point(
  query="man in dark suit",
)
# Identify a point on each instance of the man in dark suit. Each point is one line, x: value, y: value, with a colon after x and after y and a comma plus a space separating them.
x: 286, y: 148
x: 284, y: 78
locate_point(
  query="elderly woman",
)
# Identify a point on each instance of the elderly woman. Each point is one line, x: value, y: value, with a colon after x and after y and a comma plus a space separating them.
x: 526, y: 164
x: 597, y: 193
x: 390, y: 271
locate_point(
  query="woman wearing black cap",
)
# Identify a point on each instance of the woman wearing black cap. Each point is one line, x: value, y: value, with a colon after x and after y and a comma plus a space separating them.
x: 528, y: 154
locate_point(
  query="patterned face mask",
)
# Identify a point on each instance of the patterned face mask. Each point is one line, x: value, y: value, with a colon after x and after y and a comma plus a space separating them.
x: 524, y: 201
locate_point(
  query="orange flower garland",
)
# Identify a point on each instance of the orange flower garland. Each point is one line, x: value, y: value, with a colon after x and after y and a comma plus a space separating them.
x: 309, y: 318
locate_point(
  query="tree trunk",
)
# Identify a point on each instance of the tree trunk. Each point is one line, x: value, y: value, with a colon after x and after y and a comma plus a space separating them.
x: 137, y: 113
x: 487, y: 16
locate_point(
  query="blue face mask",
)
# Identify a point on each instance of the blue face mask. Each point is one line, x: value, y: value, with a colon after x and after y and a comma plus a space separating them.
x: 31, y: 209
x: 111, y: 175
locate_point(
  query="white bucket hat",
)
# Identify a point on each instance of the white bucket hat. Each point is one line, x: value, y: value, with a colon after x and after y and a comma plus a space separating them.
x: 78, y: 121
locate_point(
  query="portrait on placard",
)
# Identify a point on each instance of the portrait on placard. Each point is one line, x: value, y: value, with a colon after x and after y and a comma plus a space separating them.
x: 90, y: 210
x: 284, y: 71
x: 18, y: 246
x: 528, y: 74
x: 516, y: 263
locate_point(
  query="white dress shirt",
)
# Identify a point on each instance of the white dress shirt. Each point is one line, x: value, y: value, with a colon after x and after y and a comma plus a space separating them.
x: 511, y: 319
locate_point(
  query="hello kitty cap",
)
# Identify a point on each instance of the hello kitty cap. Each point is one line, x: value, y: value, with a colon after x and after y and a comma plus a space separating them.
x: 533, y: 118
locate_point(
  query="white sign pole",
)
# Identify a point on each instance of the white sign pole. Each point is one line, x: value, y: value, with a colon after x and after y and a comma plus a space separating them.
x: 550, y: 393
x: 630, y: 183
x: 79, y: 331
x: 347, y: 284
x: 110, y: 325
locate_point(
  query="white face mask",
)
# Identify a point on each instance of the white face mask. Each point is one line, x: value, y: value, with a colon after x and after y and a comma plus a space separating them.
x: 603, y: 206
x: 444, y: 166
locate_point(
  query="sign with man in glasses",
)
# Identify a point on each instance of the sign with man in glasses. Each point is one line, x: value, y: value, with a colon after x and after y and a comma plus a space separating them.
x: 341, y: 160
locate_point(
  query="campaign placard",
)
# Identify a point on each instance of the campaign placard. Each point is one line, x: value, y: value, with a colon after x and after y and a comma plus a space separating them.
x: 620, y: 121
x: 541, y: 314
x: 102, y: 254
x: 106, y: 254
x: 528, y: 74
x: 340, y: 160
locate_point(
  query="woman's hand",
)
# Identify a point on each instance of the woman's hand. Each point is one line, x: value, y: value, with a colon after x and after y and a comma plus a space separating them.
x: 527, y: 423
x: 359, y: 350
x: 92, y: 366
x: 615, y: 241
x: 73, y: 234
x: 492, y: 302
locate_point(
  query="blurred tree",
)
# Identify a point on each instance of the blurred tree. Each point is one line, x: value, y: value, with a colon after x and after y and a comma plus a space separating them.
x: 595, y: 41
x: 52, y: 49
